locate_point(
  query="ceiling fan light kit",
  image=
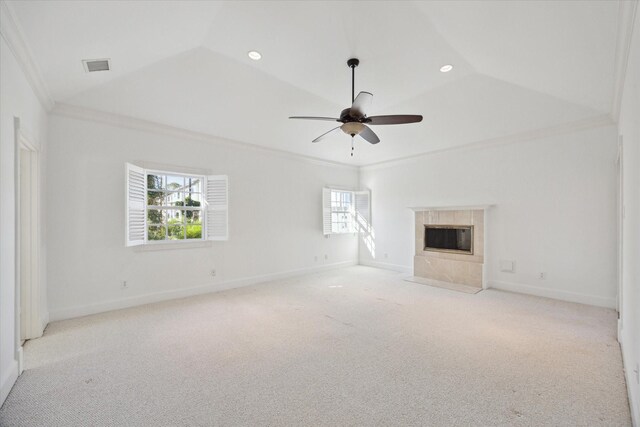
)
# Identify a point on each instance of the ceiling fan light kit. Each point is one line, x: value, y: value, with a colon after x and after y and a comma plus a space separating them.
x: 355, y: 120
x: 352, y: 128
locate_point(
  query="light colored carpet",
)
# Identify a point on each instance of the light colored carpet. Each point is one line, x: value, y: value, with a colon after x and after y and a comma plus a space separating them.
x: 446, y: 285
x: 356, y: 346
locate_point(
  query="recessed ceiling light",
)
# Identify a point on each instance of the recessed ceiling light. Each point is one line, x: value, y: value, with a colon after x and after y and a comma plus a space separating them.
x: 446, y: 68
x: 255, y: 55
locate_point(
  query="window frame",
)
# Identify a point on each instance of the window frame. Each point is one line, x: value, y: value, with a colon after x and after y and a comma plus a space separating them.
x: 214, y: 205
x: 343, y: 208
x: 356, y: 214
x: 202, y: 209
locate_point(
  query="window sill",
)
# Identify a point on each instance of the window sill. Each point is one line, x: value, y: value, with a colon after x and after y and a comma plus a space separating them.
x: 173, y: 245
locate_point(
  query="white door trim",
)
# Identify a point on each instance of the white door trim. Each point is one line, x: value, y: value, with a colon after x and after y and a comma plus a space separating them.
x: 33, y: 325
x: 621, y: 215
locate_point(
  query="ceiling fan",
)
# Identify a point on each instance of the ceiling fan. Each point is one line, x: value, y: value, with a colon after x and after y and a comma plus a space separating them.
x: 355, y: 120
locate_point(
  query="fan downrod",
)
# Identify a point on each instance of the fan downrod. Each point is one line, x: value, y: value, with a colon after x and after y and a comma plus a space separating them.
x: 353, y: 63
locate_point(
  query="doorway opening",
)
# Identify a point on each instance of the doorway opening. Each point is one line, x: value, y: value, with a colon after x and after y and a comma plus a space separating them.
x: 29, y: 323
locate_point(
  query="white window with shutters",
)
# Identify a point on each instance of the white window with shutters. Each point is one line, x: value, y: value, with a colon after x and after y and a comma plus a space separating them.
x: 170, y: 207
x: 217, y: 207
x: 362, y: 211
x: 136, y: 205
x: 345, y: 211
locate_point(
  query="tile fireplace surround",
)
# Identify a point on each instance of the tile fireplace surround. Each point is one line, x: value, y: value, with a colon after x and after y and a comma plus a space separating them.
x: 459, y: 268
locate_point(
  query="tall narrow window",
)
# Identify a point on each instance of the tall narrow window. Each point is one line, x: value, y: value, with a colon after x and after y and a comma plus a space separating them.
x: 341, y: 211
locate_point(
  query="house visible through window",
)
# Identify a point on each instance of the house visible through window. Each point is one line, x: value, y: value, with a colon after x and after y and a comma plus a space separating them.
x: 174, y: 207
x: 164, y: 206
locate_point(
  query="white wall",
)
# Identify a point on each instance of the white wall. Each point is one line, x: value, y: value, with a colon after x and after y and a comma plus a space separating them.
x: 555, y: 210
x: 629, y: 128
x: 275, y: 218
x: 17, y: 99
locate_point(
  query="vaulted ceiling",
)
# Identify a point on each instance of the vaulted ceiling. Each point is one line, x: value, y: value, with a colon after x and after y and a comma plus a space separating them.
x: 519, y: 67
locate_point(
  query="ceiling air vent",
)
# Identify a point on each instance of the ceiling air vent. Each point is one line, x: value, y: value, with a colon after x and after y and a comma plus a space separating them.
x: 91, y: 65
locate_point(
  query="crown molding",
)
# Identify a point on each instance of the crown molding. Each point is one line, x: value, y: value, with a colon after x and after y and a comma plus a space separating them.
x: 122, y: 121
x: 452, y: 208
x: 626, y: 17
x: 13, y: 35
x: 561, y: 129
x: 128, y: 122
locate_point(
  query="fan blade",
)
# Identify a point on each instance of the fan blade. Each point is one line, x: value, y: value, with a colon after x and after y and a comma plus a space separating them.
x: 397, y: 119
x: 369, y: 135
x: 361, y: 104
x: 324, y: 134
x: 328, y: 119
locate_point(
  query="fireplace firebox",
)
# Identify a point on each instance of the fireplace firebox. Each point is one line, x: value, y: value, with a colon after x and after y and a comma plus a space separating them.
x: 449, y: 238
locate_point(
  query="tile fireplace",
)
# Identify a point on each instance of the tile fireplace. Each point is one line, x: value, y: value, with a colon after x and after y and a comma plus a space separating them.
x: 449, y: 245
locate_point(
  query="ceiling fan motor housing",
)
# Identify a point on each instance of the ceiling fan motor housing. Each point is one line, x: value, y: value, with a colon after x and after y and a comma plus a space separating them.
x: 346, y: 117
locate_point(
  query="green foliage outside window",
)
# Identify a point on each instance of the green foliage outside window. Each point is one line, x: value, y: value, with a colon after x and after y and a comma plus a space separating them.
x: 165, y: 196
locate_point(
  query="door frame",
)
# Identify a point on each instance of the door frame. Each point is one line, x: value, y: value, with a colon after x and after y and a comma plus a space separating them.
x: 621, y: 215
x: 33, y: 327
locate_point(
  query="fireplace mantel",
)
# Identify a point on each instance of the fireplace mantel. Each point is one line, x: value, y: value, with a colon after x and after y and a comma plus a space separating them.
x: 452, y: 208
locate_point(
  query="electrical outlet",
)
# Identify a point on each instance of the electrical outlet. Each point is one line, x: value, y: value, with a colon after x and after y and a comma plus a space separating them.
x: 124, y: 284
x: 542, y: 275
x: 213, y: 272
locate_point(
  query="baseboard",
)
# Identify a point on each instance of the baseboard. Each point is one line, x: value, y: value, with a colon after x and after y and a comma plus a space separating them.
x: 84, y: 310
x: 619, y: 330
x: 8, y: 380
x: 554, y: 293
x: 20, y: 358
x: 633, y: 402
x: 44, y: 320
x: 387, y: 266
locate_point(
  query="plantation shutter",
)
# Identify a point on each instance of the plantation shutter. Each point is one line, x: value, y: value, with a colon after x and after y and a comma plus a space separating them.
x: 136, y: 201
x: 363, y: 210
x: 217, y: 221
x: 326, y: 211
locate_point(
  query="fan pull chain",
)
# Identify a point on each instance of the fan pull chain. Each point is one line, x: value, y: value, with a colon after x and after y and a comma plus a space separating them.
x: 351, y: 146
